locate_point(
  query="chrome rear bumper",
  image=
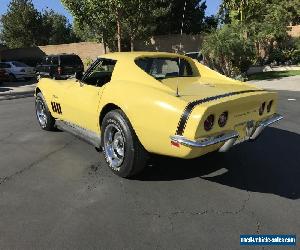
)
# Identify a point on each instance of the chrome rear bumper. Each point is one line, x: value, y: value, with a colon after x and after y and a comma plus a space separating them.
x: 228, y: 138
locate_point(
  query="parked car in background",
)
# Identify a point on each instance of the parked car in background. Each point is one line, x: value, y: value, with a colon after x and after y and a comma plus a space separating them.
x: 60, y: 66
x: 18, y: 70
x: 4, y: 76
x: 195, y: 55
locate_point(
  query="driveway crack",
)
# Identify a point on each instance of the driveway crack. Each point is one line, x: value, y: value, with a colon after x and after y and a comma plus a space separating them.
x: 10, y: 177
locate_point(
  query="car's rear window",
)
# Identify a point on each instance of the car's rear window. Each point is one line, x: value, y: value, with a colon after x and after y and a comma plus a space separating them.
x: 70, y: 60
x: 166, y: 67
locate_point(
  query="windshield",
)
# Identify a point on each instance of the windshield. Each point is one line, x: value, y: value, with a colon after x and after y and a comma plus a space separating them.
x: 162, y: 68
x: 19, y: 64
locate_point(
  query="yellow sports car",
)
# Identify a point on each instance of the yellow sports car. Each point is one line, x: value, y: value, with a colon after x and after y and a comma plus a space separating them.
x: 132, y: 104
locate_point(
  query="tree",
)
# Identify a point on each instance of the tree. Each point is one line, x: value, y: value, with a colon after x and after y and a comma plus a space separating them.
x: 210, y: 23
x: 269, y: 26
x: 193, y: 21
x: 114, y: 20
x: 21, y: 25
x: 24, y: 26
x: 57, y: 29
x: 228, y: 50
x: 139, y: 19
x: 84, y: 33
x: 293, y: 8
x: 93, y: 17
x: 265, y: 21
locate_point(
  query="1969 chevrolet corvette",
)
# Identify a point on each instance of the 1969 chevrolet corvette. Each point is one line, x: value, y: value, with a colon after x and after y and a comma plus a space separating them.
x: 131, y: 104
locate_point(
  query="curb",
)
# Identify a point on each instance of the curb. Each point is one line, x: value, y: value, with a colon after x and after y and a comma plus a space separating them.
x: 13, y: 96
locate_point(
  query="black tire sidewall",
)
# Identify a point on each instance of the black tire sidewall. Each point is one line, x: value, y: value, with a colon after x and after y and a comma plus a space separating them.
x: 117, y: 119
x: 50, y: 120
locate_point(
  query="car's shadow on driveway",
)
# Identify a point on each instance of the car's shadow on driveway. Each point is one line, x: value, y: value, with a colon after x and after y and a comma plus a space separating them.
x: 269, y: 165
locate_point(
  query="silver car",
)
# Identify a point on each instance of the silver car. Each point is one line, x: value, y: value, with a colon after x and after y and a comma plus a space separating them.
x: 18, y: 70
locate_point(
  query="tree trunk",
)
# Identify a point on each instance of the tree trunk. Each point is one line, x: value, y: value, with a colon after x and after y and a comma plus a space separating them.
x: 257, y: 48
x: 118, y: 31
x: 132, y: 43
x: 104, y: 45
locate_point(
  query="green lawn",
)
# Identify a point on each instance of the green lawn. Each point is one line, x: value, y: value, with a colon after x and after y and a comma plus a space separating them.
x: 273, y: 75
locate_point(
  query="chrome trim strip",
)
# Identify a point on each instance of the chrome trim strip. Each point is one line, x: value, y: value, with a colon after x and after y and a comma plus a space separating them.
x: 211, y: 140
x: 81, y: 133
x: 264, y: 123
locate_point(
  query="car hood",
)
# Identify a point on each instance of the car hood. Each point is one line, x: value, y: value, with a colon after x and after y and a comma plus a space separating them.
x: 195, y: 88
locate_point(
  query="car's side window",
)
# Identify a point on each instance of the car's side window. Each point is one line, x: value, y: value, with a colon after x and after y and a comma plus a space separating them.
x: 100, y: 72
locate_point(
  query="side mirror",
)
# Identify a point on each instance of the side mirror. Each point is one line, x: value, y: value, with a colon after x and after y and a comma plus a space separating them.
x: 79, y: 75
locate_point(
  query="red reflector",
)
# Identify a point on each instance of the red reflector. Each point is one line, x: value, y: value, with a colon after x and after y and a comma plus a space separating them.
x: 175, y: 144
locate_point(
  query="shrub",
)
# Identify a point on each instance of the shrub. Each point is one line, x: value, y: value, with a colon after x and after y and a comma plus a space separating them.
x: 228, y: 50
x: 295, y: 57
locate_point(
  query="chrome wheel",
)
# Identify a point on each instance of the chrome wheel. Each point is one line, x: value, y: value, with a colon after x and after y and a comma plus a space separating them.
x: 114, y: 146
x: 41, y: 113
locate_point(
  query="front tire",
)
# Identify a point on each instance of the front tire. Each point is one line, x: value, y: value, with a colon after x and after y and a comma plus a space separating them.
x: 122, y: 149
x: 44, y: 117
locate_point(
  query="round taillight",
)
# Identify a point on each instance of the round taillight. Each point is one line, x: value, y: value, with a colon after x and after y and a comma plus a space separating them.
x: 223, y: 119
x: 262, y: 109
x: 269, y: 106
x: 209, y: 122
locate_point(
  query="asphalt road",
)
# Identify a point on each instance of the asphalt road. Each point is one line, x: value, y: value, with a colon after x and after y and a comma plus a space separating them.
x: 57, y: 193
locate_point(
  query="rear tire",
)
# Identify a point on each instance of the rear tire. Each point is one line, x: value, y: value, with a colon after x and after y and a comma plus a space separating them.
x: 44, y: 117
x: 123, y: 152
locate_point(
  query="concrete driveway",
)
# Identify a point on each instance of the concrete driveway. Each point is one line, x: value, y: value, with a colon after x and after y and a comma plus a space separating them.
x: 57, y: 193
x: 291, y: 83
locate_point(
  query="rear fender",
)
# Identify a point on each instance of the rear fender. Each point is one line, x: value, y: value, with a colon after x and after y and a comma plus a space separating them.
x: 153, y: 114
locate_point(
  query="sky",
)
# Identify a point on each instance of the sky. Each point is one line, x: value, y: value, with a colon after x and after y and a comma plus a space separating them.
x: 212, y: 6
